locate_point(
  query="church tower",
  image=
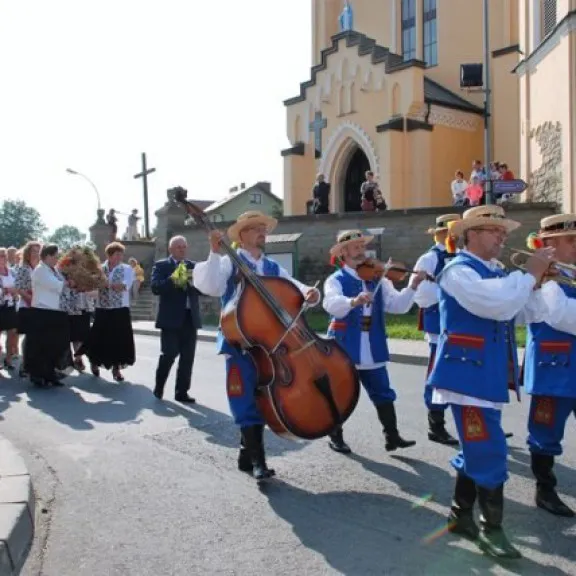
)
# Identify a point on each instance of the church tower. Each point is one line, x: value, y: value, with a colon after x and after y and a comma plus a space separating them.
x: 384, y: 95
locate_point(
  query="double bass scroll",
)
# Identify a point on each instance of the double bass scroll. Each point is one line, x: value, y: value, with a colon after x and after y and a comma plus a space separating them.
x: 307, y: 385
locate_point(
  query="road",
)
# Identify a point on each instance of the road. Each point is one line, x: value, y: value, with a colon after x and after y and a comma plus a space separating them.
x: 132, y: 486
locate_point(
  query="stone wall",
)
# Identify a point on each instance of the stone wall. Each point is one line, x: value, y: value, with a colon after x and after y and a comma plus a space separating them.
x: 404, y: 237
x: 546, y: 182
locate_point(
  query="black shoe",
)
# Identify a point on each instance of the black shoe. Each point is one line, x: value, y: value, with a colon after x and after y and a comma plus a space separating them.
x: 546, y: 496
x: 95, y: 370
x: 437, y: 429
x: 159, y: 393
x: 39, y: 382
x: 8, y: 365
x: 117, y: 375
x: 461, y: 517
x: 492, y: 538
x: 387, y: 417
x: 337, y: 442
x: 185, y: 399
x: 253, y: 437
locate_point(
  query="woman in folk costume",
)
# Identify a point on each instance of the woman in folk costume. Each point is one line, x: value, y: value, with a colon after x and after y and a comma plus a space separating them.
x: 23, y: 282
x: 217, y: 277
x: 47, y: 328
x: 550, y: 360
x: 357, y: 311
x: 433, y: 262
x: 111, y: 340
x: 476, y: 365
x: 8, y: 317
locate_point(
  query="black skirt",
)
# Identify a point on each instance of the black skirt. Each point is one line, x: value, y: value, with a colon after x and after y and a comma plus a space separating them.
x: 47, y: 341
x: 8, y: 318
x: 23, y: 316
x: 79, y: 327
x: 111, y: 340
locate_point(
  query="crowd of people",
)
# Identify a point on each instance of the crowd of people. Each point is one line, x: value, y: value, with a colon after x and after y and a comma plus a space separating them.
x: 61, y: 323
x: 470, y: 192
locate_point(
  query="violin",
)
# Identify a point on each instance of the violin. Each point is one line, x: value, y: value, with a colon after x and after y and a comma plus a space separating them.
x: 372, y: 270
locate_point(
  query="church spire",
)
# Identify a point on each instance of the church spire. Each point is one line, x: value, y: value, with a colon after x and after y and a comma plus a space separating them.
x: 346, y: 18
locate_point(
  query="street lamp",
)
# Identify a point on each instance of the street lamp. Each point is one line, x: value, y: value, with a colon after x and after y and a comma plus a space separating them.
x: 70, y: 171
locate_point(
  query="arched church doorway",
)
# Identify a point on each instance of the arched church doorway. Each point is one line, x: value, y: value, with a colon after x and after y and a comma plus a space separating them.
x: 354, y: 176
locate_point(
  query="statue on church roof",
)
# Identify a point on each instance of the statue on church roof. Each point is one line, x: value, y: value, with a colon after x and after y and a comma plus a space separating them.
x: 346, y: 18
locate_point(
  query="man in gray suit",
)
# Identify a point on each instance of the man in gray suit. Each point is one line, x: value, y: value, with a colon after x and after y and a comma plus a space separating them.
x: 178, y: 320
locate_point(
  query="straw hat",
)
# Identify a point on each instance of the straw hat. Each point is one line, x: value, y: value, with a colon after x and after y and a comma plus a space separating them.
x: 347, y: 238
x: 442, y: 222
x: 559, y: 225
x: 480, y: 216
x: 249, y: 220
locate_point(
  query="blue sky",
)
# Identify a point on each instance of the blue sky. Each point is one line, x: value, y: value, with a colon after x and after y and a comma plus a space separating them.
x: 198, y: 86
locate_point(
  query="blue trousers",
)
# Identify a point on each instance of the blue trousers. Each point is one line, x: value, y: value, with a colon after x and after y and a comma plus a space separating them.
x: 241, y: 388
x: 546, y: 423
x: 484, y: 450
x: 377, y: 384
x: 428, y: 389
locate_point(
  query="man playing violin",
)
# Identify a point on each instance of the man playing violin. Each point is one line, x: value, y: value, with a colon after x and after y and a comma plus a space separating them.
x: 476, y: 363
x: 217, y: 277
x: 433, y: 262
x: 357, y: 322
x: 549, y: 373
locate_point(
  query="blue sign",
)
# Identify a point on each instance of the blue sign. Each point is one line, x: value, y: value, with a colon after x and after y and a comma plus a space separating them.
x: 509, y: 186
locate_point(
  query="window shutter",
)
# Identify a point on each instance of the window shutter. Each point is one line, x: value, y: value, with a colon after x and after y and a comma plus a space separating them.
x: 549, y: 9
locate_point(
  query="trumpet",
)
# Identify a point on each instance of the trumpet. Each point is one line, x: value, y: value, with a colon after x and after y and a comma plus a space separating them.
x: 519, y: 257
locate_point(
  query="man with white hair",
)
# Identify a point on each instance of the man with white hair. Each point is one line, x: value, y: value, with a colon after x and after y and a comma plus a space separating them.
x: 178, y: 318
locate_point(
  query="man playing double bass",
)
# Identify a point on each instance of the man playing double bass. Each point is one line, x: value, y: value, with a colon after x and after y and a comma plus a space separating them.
x: 357, y: 323
x: 217, y: 277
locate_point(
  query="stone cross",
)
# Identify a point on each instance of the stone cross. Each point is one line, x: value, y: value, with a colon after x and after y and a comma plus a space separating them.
x: 317, y: 126
x: 144, y: 176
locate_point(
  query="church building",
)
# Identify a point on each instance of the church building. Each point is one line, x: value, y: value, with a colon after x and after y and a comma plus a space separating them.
x: 384, y: 95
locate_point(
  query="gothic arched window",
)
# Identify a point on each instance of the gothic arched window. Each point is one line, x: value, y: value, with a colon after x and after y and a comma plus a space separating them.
x: 409, y: 29
x: 430, y: 33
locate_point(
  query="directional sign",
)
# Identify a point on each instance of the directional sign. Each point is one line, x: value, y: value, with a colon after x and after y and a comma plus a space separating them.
x: 509, y: 186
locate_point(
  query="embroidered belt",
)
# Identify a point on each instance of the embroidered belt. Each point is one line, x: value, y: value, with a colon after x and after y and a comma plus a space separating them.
x: 365, y: 324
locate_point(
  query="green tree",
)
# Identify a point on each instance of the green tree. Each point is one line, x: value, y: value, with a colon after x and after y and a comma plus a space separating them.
x: 67, y: 236
x: 19, y: 223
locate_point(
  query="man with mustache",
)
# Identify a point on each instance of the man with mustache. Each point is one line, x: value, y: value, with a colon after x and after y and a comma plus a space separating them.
x: 476, y: 363
x: 358, y: 323
x: 217, y: 276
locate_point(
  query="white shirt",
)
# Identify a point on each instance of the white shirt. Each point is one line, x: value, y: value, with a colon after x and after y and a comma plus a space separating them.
x: 427, y: 293
x: 458, y: 189
x: 8, y: 281
x: 500, y: 299
x: 46, y: 288
x: 338, y: 305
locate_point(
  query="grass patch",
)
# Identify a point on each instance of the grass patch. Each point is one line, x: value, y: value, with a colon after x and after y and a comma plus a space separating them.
x: 399, y: 326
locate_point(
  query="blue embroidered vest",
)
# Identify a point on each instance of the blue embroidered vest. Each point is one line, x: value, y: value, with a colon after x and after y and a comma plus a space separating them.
x: 347, y: 331
x: 550, y: 360
x: 429, y: 318
x: 270, y: 269
x: 475, y: 356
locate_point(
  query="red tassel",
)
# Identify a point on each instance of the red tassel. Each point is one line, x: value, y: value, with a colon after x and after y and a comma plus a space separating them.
x: 534, y: 242
x: 336, y: 262
x: 451, y: 244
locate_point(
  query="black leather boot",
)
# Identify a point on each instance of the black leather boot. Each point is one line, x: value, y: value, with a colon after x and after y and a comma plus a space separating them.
x: 546, y: 496
x: 461, y: 517
x: 437, y: 429
x: 337, y: 442
x: 492, y: 539
x: 244, y: 460
x: 253, y: 437
x: 387, y: 416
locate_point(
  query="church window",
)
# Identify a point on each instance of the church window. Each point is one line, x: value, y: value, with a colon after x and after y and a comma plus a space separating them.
x: 549, y: 10
x: 409, y: 29
x: 430, y: 33
x: 255, y: 198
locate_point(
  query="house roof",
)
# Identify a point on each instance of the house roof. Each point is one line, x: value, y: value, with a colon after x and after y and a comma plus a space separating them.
x: 261, y: 187
x: 434, y: 93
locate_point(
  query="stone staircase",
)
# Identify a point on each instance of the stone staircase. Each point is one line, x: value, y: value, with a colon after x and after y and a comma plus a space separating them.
x: 143, y: 308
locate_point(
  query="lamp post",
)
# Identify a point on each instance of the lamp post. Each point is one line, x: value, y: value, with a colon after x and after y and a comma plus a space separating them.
x: 75, y: 173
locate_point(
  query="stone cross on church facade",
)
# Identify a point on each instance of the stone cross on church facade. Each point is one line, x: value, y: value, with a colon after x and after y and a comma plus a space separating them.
x: 317, y: 126
x: 144, y: 176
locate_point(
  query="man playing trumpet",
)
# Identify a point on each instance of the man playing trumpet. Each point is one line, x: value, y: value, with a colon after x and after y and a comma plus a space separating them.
x: 476, y: 364
x: 549, y: 373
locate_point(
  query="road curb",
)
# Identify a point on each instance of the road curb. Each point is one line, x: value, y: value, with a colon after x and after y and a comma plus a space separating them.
x: 203, y: 336
x: 17, y: 509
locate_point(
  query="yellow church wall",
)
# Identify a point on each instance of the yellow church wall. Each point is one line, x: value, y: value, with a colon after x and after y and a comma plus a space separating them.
x: 299, y: 178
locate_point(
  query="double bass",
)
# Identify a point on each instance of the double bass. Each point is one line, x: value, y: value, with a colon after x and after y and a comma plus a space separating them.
x: 307, y: 385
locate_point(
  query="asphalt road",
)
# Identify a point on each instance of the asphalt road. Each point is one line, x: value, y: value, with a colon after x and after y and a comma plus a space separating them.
x: 132, y: 486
